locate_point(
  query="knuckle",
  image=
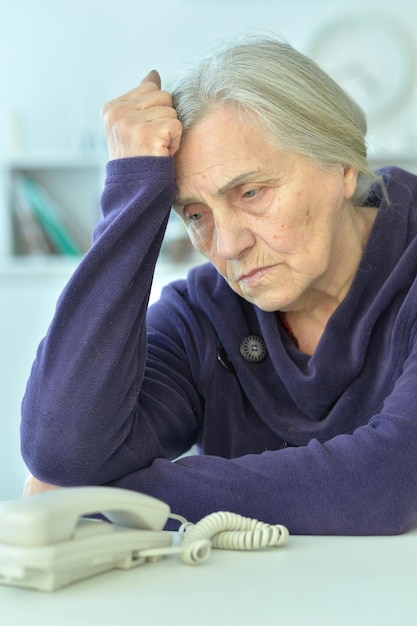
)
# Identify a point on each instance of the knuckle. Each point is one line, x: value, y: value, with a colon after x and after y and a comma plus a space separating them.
x: 110, y: 114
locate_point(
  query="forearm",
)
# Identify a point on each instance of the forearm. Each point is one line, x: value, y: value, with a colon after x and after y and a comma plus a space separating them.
x: 89, y: 367
x: 360, y: 484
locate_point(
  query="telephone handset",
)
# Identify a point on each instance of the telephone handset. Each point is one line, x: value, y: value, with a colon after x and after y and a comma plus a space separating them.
x: 47, y: 541
x: 52, y: 517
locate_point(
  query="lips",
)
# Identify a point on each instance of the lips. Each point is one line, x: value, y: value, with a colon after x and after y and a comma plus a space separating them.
x: 253, y: 277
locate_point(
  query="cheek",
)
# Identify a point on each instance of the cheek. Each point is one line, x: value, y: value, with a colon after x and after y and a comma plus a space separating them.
x: 280, y: 232
x: 201, y: 240
x: 205, y: 244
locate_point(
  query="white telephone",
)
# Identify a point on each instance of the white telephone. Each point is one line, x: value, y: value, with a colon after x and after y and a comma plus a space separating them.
x: 47, y: 540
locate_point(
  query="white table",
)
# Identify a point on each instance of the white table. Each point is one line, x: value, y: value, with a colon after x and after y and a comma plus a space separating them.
x: 312, y: 581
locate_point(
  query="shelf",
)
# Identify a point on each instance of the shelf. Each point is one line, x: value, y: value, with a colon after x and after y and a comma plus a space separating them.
x: 56, y: 160
x: 49, y: 202
x: 28, y: 266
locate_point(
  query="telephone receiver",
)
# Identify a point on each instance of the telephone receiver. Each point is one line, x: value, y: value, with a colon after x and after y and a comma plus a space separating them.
x: 52, y: 517
x: 51, y: 539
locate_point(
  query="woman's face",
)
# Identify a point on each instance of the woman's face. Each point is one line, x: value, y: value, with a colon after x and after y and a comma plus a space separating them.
x: 275, y: 225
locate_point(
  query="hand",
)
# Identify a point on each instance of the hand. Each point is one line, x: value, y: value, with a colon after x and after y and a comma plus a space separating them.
x: 142, y: 122
x: 33, y: 485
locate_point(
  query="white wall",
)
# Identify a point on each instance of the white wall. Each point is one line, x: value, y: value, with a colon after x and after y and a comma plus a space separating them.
x: 60, y: 60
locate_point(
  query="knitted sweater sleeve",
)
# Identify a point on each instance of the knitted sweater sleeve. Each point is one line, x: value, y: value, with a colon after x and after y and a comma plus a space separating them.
x: 80, y: 419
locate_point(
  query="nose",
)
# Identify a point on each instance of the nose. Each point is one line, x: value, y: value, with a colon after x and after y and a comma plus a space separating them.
x: 233, y: 238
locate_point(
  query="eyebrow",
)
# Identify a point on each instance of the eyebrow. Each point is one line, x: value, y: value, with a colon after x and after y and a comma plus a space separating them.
x: 245, y: 176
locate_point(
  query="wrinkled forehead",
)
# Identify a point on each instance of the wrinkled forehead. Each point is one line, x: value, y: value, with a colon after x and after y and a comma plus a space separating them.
x: 216, y: 152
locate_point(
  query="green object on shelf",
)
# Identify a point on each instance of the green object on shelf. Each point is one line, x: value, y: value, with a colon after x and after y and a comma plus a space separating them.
x: 47, y: 217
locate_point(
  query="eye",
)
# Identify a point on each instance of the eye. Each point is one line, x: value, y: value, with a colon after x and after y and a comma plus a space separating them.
x: 250, y: 193
x: 193, y: 217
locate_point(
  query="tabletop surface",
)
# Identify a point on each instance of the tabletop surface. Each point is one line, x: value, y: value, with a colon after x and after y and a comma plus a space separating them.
x: 323, y: 581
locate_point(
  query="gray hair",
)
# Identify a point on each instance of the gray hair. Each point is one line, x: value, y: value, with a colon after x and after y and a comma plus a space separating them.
x: 300, y: 106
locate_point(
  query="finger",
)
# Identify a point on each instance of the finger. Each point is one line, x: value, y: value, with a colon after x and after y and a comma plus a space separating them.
x: 136, y: 101
x: 148, y: 114
x: 152, y: 77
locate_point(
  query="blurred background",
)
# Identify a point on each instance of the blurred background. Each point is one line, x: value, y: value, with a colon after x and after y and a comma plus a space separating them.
x: 61, y: 60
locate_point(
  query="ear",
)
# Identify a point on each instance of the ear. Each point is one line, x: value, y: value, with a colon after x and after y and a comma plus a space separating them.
x: 350, y: 180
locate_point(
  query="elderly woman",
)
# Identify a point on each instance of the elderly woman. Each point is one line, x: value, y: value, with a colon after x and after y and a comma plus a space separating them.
x: 290, y: 359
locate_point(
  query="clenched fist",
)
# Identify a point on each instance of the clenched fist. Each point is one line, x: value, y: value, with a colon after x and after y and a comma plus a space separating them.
x: 142, y: 122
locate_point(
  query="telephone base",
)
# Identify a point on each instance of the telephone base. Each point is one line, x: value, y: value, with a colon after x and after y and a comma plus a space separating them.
x: 100, y: 547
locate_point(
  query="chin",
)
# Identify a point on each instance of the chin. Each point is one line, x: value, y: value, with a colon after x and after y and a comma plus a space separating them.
x: 271, y: 303
x: 265, y: 304
x: 267, y: 300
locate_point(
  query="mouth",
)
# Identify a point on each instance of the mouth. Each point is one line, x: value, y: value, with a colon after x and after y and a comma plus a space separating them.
x: 254, y: 277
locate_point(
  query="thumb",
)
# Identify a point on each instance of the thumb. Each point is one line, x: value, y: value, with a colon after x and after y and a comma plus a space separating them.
x: 152, y: 77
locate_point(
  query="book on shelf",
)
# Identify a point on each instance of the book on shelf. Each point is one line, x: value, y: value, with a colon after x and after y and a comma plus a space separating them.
x: 29, y: 237
x: 41, y: 224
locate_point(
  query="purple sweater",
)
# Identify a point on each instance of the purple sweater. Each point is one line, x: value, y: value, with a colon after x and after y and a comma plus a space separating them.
x: 325, y: 444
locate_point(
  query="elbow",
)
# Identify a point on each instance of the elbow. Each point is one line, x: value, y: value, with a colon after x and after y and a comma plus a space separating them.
x: 393, y: 514
x: 400, y: 522
x: 74, y: 458
x: 52, y: 465
x: 57, y: 450
x: 58, y: 459
x: 397, y: 513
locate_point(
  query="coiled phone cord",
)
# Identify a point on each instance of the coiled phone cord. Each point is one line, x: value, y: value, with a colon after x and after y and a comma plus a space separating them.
x: 223, y: 530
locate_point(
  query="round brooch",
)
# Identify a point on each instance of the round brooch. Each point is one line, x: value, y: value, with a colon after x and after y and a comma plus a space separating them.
x: 253, y: 348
